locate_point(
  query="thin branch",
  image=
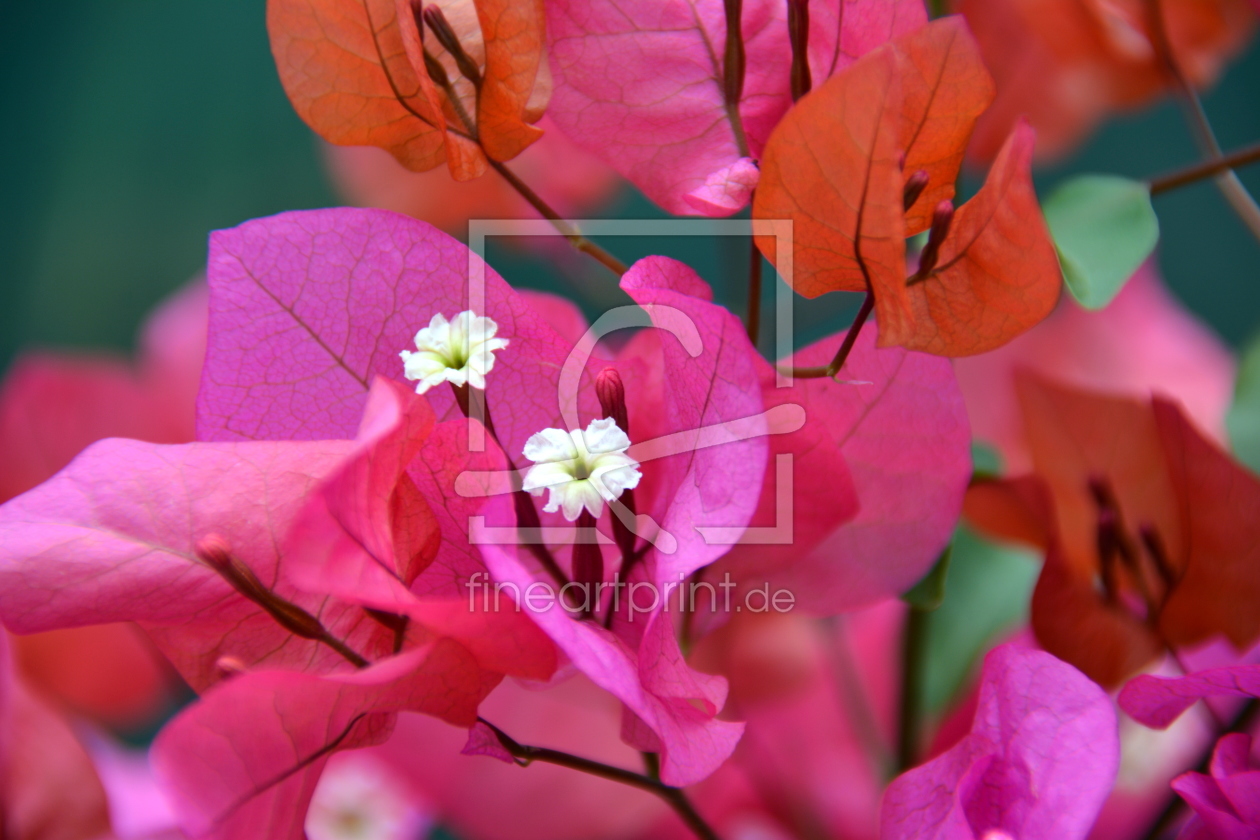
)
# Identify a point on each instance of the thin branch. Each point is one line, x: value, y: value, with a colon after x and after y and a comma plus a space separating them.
x: 674, y: 797
x: 754, y: 293
x: 576, y: 239
x: 544, y: 209
x: 842, y: 354
x: 1192, y: 174
x: 853, y: 695
x: 910, y: 712
x: 734, y: 62
x: 1227, y: 180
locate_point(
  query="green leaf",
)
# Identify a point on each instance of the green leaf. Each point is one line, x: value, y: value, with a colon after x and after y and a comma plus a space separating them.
x: 988, y: 587
x: 1243, y: 419
x: 986, y: 461
x: 929, y: 592
x: 1104, y: 228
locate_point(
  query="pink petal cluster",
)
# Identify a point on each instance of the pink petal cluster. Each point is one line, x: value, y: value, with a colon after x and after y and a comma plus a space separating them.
x: 1226, y: 802
x: 1041, y: 755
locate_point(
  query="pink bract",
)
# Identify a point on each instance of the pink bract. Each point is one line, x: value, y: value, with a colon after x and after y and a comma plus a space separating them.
x: 1158, y: 701
x: 1039, y: 760
x: 1227, y: 802
x: 233, y: 776
x: 642, y: 85
x: 891, y: 446
x: 307, y: 307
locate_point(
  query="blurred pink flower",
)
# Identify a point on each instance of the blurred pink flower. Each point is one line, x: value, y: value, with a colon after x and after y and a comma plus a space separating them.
x: 1038, y: 763
x: 52, y: 405
x: 49, y: 788
x: 1226, y: 803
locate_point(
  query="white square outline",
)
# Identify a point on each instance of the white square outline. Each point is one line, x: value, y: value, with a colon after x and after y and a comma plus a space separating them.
x: 779, y: 533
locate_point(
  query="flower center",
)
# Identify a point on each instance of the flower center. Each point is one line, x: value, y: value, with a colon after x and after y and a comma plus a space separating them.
x: 580, y: 469
x: 459, y: 351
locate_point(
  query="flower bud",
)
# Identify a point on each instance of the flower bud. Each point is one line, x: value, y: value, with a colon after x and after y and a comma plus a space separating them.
x: 612, y: 397
x: 915, y: 185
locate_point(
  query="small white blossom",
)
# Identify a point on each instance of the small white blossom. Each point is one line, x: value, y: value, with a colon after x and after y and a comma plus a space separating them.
x: 459, y: 351
x: 581, y: 469
x: 360, y: 799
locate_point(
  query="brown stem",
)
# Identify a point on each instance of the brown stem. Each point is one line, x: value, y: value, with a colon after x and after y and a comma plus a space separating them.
x: 523, y: 504
x: 754, y: 293
x: 217, y: 554
x: 576, y: 239
x: 676, y: 798
x: 910, y: 711
x: 798, y: 34
x: 1191, y: 174
x: 1227, y: 181
x: 733, y: 68
x: 842, y: 354
x: 544, y: 209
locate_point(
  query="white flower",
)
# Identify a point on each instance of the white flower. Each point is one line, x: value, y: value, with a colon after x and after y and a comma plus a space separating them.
x: 581, y: 469
x: 459, y: 351
x: 360, y: 799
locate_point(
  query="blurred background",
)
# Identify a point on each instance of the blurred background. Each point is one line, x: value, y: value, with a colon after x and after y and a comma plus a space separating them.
x: 135, y: 127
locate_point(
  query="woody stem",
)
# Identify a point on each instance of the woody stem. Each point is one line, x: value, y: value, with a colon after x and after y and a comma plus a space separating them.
x: 1227, y: 181
x: 1192, y: 174
x: 576, y: 239
x: 754, y: 293
x: 568, y: 231
x: 846, y: 347
x: 676, y: 798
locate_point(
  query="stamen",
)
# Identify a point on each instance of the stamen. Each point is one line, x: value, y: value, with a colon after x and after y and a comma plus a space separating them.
x: 612, y: 400
x: 941, y: 221
x: 446, y: 36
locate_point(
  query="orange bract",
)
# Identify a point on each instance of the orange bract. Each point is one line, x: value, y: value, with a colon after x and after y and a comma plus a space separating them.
x: 513, y: 32
x: 1066, y: 63
x: 998, y: 272
x: 944, y: 88
x: 1154, y: 533
x: 831, y: 167
x: 355, y: 72
x: 837, y: 166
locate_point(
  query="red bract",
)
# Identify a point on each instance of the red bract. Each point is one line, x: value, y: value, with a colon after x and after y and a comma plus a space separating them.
x: 1151, y: 530
x: 841, y: 166
x: 186, y: 541
x: 48, y: 786
x: 645, y: 85
x: 52, y: 405
x: 1038, y: 763
x: 364, y: 74
x: 1066, y: 64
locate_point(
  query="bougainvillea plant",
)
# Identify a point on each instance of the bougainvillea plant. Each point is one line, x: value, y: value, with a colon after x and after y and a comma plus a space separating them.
x: 438, y: 553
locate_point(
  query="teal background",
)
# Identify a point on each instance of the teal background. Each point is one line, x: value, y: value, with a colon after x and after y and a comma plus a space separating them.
x: 134, y: 127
